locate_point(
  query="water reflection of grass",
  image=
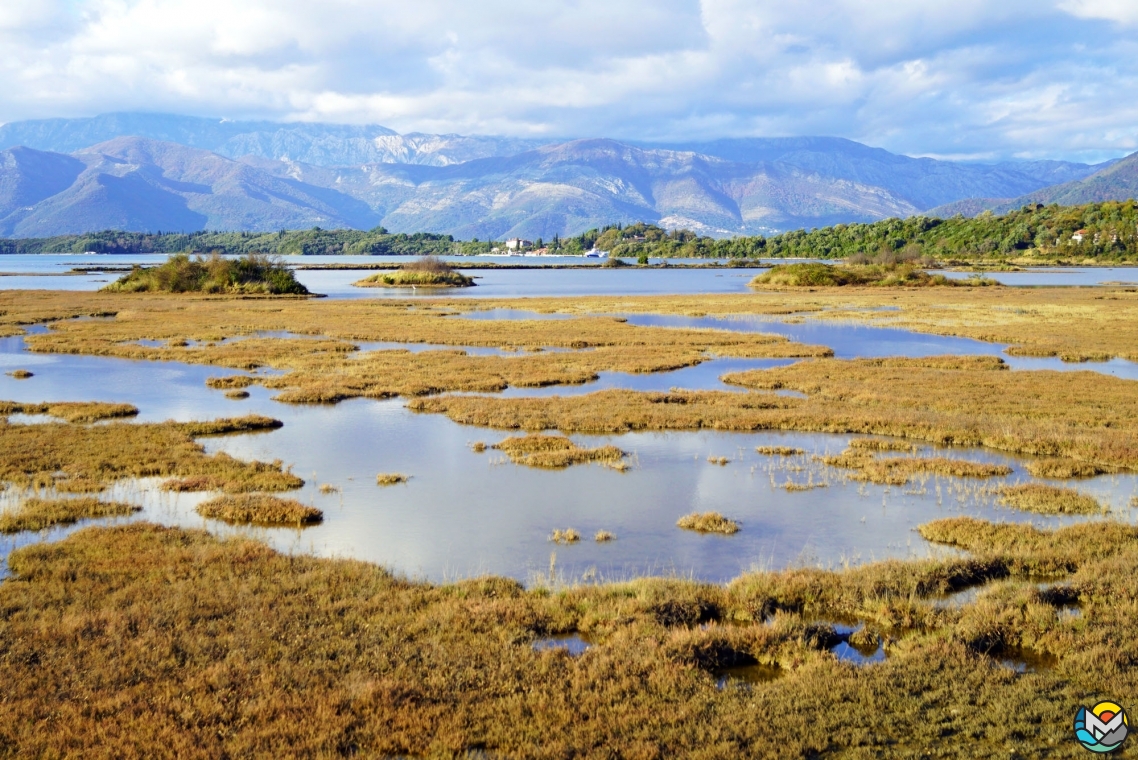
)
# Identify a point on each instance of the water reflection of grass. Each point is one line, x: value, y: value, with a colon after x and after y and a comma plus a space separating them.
x: 297, y: 655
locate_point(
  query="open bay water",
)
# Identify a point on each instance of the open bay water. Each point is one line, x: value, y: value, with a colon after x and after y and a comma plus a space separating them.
x: 464, y: 513
x: 50, y: 272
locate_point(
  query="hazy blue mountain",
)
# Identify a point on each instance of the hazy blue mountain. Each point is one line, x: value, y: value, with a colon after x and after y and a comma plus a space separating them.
x: 138, y: 184
x: 317, y: 144
x: 923, y: 182
x: 1117, y: 181
x: 563, y: 189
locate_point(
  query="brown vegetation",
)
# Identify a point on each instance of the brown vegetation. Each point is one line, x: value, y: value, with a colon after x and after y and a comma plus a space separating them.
x: 1064, y: 468
x: 113, y: 639
x: 708, y: 522
x: 237, y: 395
x: 1048, y: 500
x: 427, y: 272
x: 390, y: 479
x: 84, y: 458
x: 37, y: 514
x: 603, y: 536
x: 567, y: 536
x: 259, y: 509
x: 957, y: 401
x: 881, y: 444
x: 19, y: 374
x: 780, y: 451
x: 555, y: 451
x: 896, y: 471
x: 71, y: 411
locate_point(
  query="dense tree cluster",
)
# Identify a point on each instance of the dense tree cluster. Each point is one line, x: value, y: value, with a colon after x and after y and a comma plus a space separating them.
x: 1106, y: 231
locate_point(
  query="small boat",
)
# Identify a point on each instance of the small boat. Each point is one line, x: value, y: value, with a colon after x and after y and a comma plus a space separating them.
x: 595, y: 254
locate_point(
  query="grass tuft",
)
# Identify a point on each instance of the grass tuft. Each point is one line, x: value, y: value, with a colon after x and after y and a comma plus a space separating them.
x: 237, y: 395
x: 37, y: 514
x: 1064, y: 468
x: 881, y: 444
x: 721, y: 461
x: 779, y: 451
x: 567, y: 536
x: 603, y: 536
x: 708, y: 522
x: 19, y: 374
x: 1048, y: 500
x: 556, y: 451
x: 259, y: 509
x: 427, y: 272
x: 390, y: 478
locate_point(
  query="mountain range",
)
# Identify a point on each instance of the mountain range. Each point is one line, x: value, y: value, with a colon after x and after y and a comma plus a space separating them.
x: 166, y: 172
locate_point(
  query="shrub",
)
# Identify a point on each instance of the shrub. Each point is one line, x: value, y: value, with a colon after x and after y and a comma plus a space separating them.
x: 250, y: 274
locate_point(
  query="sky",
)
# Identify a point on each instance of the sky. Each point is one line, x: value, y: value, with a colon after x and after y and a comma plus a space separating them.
x: 963, y: 79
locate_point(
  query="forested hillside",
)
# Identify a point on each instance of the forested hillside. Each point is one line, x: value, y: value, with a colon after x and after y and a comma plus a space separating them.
x: 1098, y: 231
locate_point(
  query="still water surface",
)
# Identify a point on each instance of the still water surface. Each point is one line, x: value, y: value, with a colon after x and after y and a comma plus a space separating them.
x: 464, y: 513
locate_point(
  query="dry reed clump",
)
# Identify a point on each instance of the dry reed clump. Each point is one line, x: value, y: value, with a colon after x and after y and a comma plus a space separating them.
x: 897, y: 470
x: 19, y: 374
x: 390, y: 478
x: 721, y: 461
x: 328, y: 488
x: 72, y: 411
x: 237, y: 395
x: 478, y: 447
x: 297, y: 655
x: 603, y: 536
x: 234, y: 382
x: 779, y: 451
x: 879, y: 444
x: 567, y: 536
x: 259, y: 509
x: 708, y: 522
x: 84, y: 458
x: 556, y: 451
x: 793, y: 487
x: 1064, y: 468
x: 427, y: 272
x: 1048, y: 500
x: 37, y: 514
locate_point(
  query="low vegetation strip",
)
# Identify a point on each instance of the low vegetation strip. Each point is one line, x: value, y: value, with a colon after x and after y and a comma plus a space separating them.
x: 71, y: 411
x: 708, y: 522
x: 287, y: 654
x: 428, y: 272
x: 248, y: 275
x: 1048, y: 500
x: 37, y: 514
x: 259, y: 509
x: 82, y: 458
x: 873, y: 275
x: 952, y: 401
x: 898, y: 470
x: 556, y: 451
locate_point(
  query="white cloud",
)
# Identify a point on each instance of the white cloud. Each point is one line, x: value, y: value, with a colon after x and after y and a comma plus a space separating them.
x: 925, y: 76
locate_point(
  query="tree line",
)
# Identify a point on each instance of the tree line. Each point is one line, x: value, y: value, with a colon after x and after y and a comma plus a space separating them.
x: 1107, y: 231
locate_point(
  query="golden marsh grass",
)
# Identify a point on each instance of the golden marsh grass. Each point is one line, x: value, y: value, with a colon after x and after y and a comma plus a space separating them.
x: 287, y: 655
x: 708, y: 522
x: 1048, y: 500
x: 566, y: 536
x: 20, y: 374
x: 259, y: 509
x: 390, y: 478
x: 37, y: 514
x: 82, y: 458
x: 603, y: 536
x: 555, y: 452
x: 779, y: 451
x: 949, y: 401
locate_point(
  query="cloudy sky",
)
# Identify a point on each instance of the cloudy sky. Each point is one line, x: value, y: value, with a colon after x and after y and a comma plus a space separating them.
x: 950, y: 78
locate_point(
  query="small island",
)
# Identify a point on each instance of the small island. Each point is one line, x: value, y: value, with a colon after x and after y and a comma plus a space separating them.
x: 427, y: 272
x: 252, y: 274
